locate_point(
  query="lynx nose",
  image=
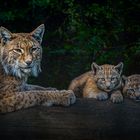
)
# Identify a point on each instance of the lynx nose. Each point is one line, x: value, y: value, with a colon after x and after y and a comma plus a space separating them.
x: 107, y: 85
x: 28, y: 62
x: 137, y: 94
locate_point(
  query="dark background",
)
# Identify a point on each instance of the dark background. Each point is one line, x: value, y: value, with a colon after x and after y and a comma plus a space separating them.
x: 78, y: 32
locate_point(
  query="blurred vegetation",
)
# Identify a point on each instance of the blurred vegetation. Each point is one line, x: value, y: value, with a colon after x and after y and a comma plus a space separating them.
x: 78, y: 32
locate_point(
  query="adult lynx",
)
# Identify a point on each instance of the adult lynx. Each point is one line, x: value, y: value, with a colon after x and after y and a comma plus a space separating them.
x: 20, y: 57
x: 100, y: 83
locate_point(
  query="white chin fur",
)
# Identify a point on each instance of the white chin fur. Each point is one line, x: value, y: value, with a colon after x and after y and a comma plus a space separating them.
x: 26, y: 70
x: 21, y: 73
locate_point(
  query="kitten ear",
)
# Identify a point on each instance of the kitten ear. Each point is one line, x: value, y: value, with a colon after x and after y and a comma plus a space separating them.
x: 94, y: 67
x: 124, y: 77
x: 119, y: 67
x: 38, y: 33
x: 5, y: 35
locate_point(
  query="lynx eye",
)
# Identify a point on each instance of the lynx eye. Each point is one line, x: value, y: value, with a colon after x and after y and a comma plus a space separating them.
x: 34, y: 49
x: 131, y: 91
x: 103, y: 79
x: 18, y: 50
x: 113, y: 78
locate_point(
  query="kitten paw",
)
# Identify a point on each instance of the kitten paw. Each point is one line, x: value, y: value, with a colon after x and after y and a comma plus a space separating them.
x: 101, y: 96
x: 116, y: 97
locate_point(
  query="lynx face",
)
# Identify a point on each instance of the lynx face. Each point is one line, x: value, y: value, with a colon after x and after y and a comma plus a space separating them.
x: 107, y: 77
x: 132, y: 87
x: 20, y: 53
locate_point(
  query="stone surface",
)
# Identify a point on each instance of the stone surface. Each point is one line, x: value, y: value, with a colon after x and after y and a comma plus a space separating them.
x: 88, y: 119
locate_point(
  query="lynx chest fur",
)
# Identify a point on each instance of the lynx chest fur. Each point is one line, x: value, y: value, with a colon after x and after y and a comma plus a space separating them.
x: 101, y: 83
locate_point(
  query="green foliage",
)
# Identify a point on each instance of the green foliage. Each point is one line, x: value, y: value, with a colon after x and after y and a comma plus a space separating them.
x: 79, y: 32
x: 7, y: 16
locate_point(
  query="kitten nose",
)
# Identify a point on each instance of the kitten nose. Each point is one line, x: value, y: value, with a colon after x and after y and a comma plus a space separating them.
x: 108, y: 85
x: 137, y: 94
x: 28, y: 62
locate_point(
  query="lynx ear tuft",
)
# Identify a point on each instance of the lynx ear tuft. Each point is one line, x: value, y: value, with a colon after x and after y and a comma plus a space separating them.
x: 38, y: 33
x: 95, y: 67
x: 119, y: 68
x: 124, y: 77
x: 5, y: 35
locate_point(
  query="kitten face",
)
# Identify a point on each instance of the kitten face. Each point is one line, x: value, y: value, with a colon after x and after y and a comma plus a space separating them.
x: 132, y: 87
x: 108, y: 77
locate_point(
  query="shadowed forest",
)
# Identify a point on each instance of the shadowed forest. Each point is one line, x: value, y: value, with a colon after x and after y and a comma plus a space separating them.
x: 78, y: 32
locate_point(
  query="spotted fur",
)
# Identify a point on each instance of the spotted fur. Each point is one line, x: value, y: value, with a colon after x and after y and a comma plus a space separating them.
x: 100, y: 83
x: 20, y: 57
x: 131, y: 87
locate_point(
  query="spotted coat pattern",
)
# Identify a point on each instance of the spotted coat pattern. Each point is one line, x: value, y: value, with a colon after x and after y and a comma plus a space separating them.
x: 20, y: 57
x: 101, y: 83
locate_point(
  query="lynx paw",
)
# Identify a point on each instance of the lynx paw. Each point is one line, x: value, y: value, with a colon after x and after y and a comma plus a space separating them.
x: 68, y: 97
x: 116, y: 97
x: 101, y: 96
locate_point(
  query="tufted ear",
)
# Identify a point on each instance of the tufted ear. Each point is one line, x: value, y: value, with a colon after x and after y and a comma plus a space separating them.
x: 95, y: 67
x: 38, y: 33
x: 5, y: 35
x: 119, y: 67
x: 124, y: 79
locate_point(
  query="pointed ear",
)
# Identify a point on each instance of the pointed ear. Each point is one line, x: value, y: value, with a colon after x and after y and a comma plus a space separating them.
x: 95, y: 67
x: 38, y: 33
x: 124, y: 77
x: 5, y: 34
x: 119, y: 68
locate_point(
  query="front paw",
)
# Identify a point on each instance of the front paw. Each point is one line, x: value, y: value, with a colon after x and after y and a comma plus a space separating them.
x: 68, y: 97
x: 116, y: 97
x: 101, y: 96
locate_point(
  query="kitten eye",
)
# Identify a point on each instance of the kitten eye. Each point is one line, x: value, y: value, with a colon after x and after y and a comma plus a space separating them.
x: 103, y: 79
x: 113, y: 78
x: 17, y: 50
x: 131, y: 91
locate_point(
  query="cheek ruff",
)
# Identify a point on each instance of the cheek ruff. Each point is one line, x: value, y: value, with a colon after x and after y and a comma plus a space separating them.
x: 12, y: 68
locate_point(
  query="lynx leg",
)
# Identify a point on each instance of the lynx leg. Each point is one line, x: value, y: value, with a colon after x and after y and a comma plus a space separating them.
x: 63, y: 97
x: 19, y: 100
x: 29, y: 87
x: 96, y: 95
x: 91, y: 91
